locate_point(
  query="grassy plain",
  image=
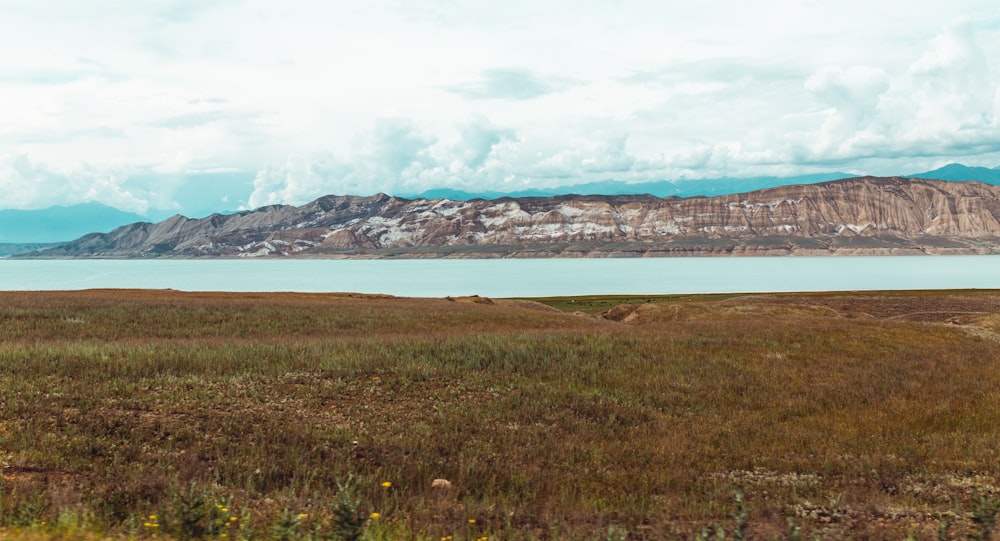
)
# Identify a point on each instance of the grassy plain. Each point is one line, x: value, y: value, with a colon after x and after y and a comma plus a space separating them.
x: 142, y: 414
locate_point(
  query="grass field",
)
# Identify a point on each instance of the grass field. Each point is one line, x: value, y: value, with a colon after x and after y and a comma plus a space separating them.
x: 161, y: 414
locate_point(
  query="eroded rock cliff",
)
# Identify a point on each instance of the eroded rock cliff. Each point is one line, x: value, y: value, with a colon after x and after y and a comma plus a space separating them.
x: 859, y: 215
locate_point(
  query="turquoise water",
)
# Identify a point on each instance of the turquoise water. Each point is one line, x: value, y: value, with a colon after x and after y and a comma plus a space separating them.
x: 513, y: 277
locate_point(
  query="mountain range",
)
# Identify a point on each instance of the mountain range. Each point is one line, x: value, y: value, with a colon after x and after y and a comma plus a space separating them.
x: 22, y: 230
x: 866, y: 215
x: 662, y: 188
x: 59, y: 224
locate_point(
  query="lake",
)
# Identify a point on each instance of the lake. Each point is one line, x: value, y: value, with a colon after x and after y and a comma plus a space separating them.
x: 513, y: 277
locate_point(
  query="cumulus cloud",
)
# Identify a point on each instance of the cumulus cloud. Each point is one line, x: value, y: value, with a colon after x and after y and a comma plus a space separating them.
x: 394, y: 152
x: 940, y: 107
x: 25, y: 184
x: 952, y: 88
x: 395, y: 146
x: 856, y: 87
x: 943, y: 104
x: 399, y: 158
x: 588, y: 160
x: 853, y: 94
x: 478, y: 139
x: 297, y: 180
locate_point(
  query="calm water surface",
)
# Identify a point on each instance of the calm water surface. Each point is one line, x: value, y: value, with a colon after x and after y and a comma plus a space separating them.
x: 513, y: 277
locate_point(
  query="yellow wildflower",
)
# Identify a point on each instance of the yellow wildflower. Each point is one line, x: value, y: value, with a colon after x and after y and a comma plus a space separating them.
x: 472, y: 521
x: 386, y: 484
x: 375, y: 516
x: 303, y: 516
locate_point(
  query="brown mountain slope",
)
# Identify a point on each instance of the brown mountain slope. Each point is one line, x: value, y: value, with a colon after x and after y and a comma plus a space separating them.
x: 867, y: 215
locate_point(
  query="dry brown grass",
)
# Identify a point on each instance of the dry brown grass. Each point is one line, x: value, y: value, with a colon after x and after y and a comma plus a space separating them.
x: 852, y: 415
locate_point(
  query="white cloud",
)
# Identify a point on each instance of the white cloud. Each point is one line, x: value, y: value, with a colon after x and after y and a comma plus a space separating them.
x: 853, y: 93
x: 942, y: 105
x: 478, y: 138
x: 387, y: 159
x: 396, y: 157
x: 485, y: 94
x: 856, y: 87
x: 298, y: 180
x: 952, y: 85
x: 29, y: 185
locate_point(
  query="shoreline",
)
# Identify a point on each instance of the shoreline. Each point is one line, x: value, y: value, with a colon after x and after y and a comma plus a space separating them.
x: 679, y: 249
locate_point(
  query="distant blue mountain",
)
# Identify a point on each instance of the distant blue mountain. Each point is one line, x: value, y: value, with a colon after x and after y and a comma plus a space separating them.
x: 957, y: 171
x: 662, y: 188
x: 704, y: 187
x: 60, y: 224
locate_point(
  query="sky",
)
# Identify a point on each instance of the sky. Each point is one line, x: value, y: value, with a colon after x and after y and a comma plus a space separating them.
x: 191, y: 105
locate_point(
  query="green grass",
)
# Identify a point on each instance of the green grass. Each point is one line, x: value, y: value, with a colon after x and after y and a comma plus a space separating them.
x: 837, y: 412
x: 592, y: 304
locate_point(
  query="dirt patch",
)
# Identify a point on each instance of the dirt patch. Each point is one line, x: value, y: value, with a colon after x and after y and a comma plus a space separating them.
x: 622, y: 312
x: 475, y: 299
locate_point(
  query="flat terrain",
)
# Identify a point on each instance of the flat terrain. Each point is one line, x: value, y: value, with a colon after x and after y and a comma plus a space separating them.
x: 285, y: 416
